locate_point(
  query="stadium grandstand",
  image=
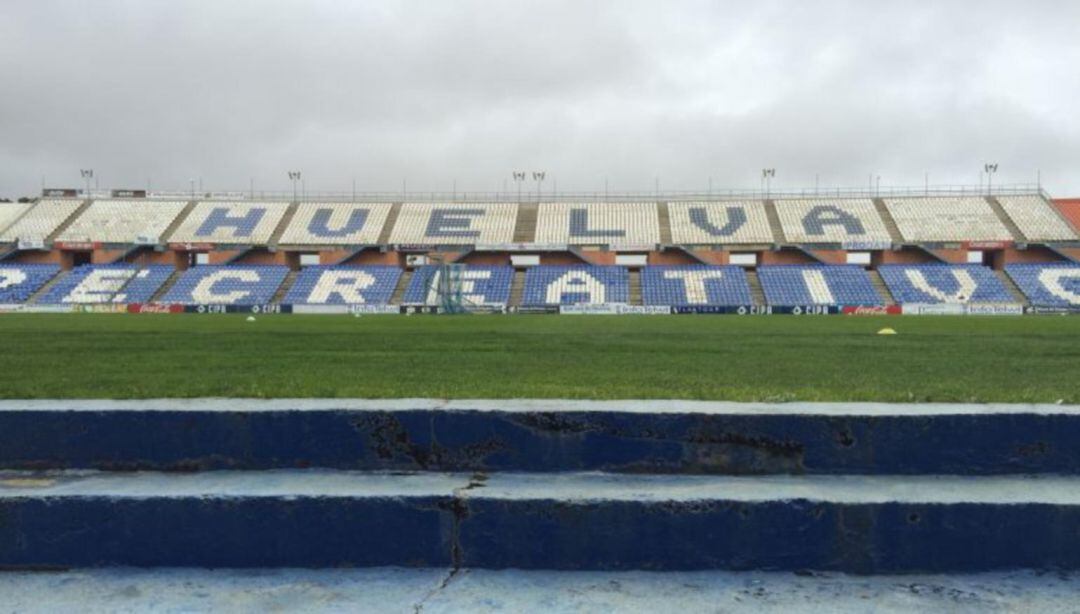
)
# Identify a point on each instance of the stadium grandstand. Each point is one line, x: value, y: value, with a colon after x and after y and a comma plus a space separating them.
x: 1014, y: 250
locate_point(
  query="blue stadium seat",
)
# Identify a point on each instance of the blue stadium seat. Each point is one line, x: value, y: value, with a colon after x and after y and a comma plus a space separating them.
x: 344, y: 285
x: 108, y: 283
x: 481, y: 285
x: 1048, y: 285
x: 695, y: 285
x: 944, y: 283
x: 804, y: 285
x: 18, y: 282
x: 227, y: 285
x: 576, y: 285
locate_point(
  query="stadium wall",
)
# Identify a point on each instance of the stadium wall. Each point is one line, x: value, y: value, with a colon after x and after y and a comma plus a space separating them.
x: 1070, y: 208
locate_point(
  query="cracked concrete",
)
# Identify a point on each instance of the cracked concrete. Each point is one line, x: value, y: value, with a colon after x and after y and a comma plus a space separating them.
x: 441, y: 590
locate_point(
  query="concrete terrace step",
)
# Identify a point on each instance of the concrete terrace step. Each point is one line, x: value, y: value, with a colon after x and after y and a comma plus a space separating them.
x: 44, y: 290
x: 757, y: 293
x: 882, y: 288
x: 580, y: 521
x: 395, y: 589
x: 659, y: 437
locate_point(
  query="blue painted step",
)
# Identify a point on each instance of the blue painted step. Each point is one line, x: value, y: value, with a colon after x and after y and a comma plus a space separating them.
x: 542, y: 436
x: 854, y: 524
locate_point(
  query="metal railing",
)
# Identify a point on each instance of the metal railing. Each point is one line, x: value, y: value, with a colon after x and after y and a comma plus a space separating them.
x: 592, y: 196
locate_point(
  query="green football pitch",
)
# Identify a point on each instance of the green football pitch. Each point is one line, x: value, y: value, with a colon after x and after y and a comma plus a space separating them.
x: 774, y: 358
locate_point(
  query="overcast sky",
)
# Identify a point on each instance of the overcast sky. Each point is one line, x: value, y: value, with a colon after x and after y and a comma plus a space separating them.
x: 434, y: 90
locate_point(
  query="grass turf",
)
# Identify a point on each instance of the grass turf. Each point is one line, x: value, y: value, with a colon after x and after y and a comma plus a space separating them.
x: 777, y: 358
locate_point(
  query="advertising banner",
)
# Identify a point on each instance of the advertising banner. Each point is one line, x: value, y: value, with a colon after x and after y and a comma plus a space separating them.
x: 129, y: 193
x: 31, y: 243
x: 154, y: 308
x: 100, y: 308
x: 77, y: 245
x: 533, y: 309
x: 372, y: 309
x: 1038, y: 310
x: 270, y: 309
x: 933, y: 309
x: 60, y: 192
x: 871, y: 310
x: 741, y: 310
x: 614, y: 309
x: 1003, y: 309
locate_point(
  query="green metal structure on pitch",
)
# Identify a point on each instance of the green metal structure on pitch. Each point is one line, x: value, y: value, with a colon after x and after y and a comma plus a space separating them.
x: 448, y: 284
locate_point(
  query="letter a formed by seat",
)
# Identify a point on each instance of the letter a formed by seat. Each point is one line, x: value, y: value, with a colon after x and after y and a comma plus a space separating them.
x: 815, y: 221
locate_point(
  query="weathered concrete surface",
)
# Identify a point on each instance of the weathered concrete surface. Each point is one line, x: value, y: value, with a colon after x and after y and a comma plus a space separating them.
x: 410, y: 591
x: 227, y: 519
x: 583, y: 521
x: 540, y: 435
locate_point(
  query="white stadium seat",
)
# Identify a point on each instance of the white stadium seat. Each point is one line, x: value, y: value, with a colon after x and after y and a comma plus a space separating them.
x: 616, y: 224
x: 230, y: 223
x: 9, y: 212
x: 733, y: 222
x: 1036, y: 218
x: 42, y: 220
x: 123, y: 221
x: 831, y: 220
x: 454, y: 223
x: 336, y: 224
x: 947, y: 219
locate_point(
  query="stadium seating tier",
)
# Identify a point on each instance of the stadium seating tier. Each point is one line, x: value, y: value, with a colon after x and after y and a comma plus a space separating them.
x: 336, y: 224
x: 479, y: 285
x: 947, y: 219
x: 717, y: 223
x: 1048, y: 285
x: 576, y: 285
x: 944, y: 283
x: 107, y: 283
x: 804, y: 285
x: 344, y: 285
x: 454, y: 223
x: 41, y: 221
x: 120, y: 221
x: 831, y: 221
x: 18, y: 282
x: 226, y: 285
x: 1036, y: 218
x: 615, y: 224
x: 242, y: 223
x: 691, y: 285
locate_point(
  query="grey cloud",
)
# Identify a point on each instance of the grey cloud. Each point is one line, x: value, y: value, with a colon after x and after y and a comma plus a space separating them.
x: 628, y: 91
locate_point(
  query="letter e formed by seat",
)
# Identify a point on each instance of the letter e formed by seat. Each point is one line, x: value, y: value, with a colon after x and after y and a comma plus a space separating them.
x: 453, y: 223
x: 11, y: 277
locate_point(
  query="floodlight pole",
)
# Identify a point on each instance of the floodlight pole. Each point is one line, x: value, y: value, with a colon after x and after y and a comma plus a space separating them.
x: 990, y: 169
x: 519, y: 176
x: 294, y: 176
x: 538, y: 176
x: 767, y: 175
x: 87, y: 174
